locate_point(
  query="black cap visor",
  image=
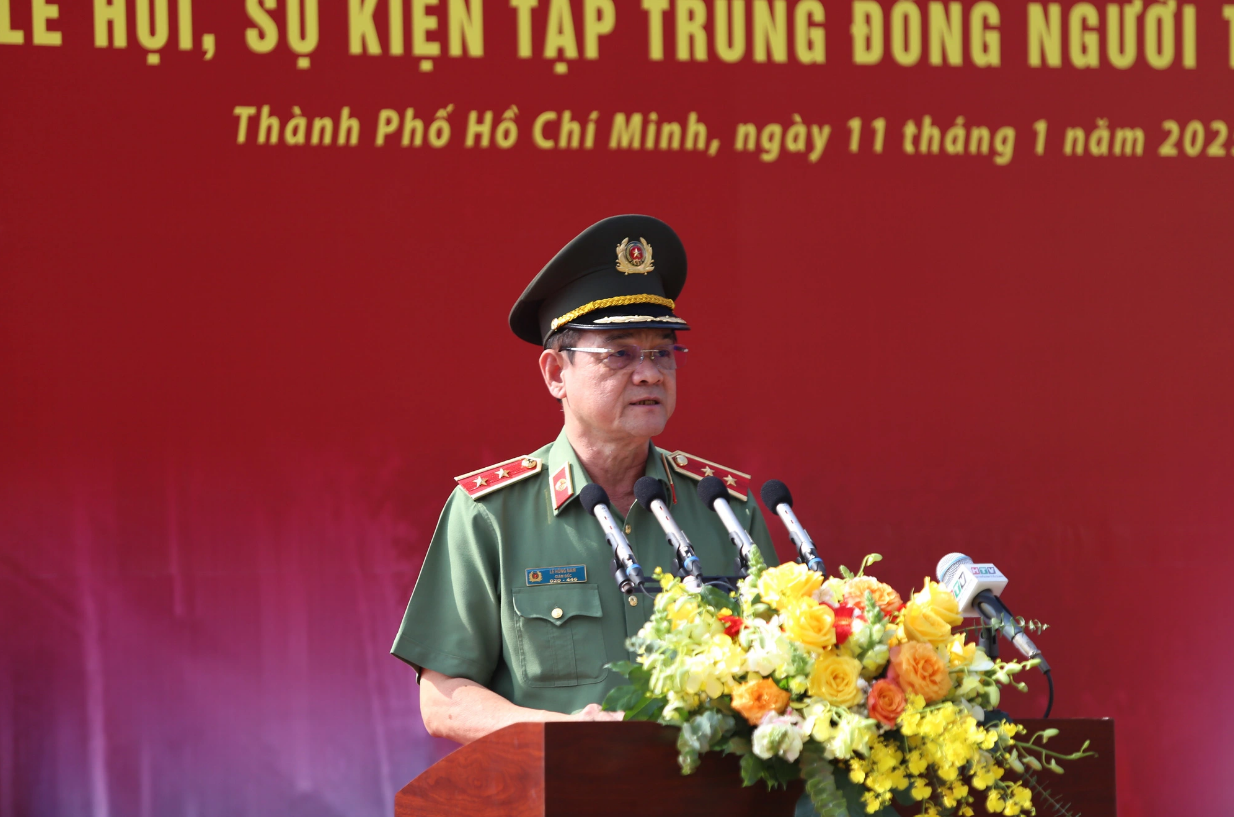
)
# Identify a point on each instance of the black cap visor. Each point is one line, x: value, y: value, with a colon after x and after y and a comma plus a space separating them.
x: 634, y: 316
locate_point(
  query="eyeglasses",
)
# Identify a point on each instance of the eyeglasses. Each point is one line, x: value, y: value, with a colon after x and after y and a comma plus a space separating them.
x: 666, y: 359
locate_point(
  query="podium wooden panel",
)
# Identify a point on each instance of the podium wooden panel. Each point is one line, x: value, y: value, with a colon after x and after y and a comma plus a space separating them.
x: 601, y: 769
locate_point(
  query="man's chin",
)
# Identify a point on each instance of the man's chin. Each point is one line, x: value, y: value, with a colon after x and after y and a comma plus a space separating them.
x: 646, y: 426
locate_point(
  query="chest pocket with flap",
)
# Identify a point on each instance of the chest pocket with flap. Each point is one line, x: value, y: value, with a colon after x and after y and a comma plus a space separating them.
x: 560, y: 640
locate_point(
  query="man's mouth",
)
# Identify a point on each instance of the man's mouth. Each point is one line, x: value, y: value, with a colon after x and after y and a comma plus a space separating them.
x: 650, y: 401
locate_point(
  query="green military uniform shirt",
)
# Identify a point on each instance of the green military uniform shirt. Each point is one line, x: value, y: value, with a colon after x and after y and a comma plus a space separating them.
x: 483, y: 607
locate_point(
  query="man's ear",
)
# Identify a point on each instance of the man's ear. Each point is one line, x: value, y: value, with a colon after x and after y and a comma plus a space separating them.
x: 551, y: 366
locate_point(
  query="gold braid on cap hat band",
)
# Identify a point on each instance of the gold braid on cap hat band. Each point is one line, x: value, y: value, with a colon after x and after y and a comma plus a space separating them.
x: 604, y: 303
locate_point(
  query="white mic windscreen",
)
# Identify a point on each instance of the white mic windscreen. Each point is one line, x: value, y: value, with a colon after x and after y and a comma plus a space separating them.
x: 950, y: 565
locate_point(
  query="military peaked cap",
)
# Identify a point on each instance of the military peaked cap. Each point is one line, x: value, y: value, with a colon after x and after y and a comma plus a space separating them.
x: 624, y: 271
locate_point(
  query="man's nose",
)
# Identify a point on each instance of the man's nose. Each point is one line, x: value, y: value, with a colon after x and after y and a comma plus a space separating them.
x: 647, y: 372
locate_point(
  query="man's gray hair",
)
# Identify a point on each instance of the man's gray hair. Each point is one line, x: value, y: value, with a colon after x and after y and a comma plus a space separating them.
x: 565, y: 338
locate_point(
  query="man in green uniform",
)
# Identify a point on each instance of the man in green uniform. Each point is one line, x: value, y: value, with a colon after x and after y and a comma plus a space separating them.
x: 516, y: 613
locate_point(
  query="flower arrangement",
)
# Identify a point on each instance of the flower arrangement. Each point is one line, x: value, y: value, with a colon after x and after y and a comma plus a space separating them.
x: 838, y: 681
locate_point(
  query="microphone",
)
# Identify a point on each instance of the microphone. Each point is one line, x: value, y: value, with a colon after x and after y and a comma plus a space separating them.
x: 714, y: 494
x: 650, y: 494
x: 628, y: 572
x: 976, y: 588
x: 777, y: 497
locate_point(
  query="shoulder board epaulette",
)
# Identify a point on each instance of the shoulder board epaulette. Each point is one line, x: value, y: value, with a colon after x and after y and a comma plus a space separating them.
x: 487, y: 480
x: 697, y: 468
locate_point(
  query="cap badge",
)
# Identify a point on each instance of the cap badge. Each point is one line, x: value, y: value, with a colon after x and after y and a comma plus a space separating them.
x: 634, y: 257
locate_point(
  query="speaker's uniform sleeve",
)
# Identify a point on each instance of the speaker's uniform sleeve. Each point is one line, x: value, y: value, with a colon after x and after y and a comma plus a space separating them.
x: 453, y: 620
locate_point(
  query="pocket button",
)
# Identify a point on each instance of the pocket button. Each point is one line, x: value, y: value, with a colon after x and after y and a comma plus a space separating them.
x: 557, y: 613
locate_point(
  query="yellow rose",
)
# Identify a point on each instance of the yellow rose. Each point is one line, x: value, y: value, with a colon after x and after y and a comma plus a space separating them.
x: 834, y: 679
x: 754, y: 699
x: 930, y: 614
x: 781, y: 586
x: 810, y: 623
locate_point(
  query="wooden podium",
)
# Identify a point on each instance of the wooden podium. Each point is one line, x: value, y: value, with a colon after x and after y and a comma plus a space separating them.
x: 626, y: 769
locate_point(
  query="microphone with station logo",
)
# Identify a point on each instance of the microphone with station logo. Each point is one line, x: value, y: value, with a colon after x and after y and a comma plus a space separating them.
x: 627, y: 571
x: 777, y: 497
x: 976, y: 588
x: 714, y: 494
x: 650, y: 494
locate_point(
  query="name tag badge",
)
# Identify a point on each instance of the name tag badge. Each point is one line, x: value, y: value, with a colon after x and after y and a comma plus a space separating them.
x: 568, y: 574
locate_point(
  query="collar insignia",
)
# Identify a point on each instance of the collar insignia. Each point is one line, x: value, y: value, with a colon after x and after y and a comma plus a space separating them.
x: 562, y: 486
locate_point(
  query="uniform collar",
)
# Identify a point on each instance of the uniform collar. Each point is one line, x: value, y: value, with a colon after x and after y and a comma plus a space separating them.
x: 563, y: 464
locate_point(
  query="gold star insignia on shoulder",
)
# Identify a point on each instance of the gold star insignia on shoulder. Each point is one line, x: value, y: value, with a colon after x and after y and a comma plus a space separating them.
x: 478, y: 483
x: 738, y: 483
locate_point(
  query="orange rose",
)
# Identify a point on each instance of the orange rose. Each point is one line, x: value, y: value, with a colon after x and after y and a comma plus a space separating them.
x: 754, y: 699
x: 885, y: 596
x: 920, y: 670
x: 886, y: 702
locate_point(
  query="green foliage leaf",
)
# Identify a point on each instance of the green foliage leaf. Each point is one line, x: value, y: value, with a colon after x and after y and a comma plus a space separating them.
x: 623, y: 698
x: 777, y: 772
x: 804, y: 807
x: 751, y: 769
x: 718, y: 599
x: 645, y: 708
x: 699, y: 735
x: 821, y: 797
x: 639, y: 677
x: 622, y: 667
x: 852, y: 796
x: 845, y: 572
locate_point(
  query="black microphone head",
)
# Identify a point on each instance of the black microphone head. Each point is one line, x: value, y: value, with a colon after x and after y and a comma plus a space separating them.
x: 647, y: 490
x: 775, y: 494
x: 710, y: 489
x: 591, y: 496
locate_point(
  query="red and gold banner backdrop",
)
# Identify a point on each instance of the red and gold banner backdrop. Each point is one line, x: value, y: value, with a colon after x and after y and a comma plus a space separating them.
x: 960, y: 275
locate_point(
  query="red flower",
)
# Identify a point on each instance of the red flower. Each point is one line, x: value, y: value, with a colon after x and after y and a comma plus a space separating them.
x: 844, y: 623
x: 732, y: 625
